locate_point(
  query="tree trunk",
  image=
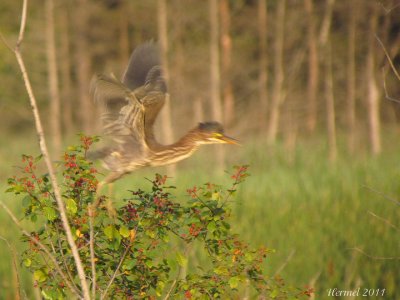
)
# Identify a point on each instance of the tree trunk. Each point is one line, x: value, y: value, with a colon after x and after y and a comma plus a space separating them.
x: 215, y: 97
x: 263, y: 67
x: 82, y: 64
x: 226, y: 42
x: 351, y: 77
x: 55, y: 124
x: 329, y: 97
x: 166, y: 112
x: 372, y: 90
x: 277, y: 95
x: 65, y: 71
x: 124, y: 33
x: 313, y: 70
x: 330, y: 104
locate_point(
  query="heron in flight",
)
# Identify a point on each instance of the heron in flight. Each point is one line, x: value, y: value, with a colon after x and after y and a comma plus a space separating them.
x: 129, y: 110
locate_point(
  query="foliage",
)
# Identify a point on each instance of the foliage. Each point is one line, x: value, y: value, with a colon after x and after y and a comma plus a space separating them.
x: 142, y: 251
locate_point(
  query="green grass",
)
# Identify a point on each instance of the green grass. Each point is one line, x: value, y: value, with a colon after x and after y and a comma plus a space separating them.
x: 300, y: 204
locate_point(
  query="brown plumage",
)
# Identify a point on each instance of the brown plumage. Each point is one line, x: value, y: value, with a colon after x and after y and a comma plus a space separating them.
x: 129, y: 110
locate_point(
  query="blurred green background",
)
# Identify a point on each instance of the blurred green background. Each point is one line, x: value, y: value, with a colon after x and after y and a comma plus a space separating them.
x: 322, y: 171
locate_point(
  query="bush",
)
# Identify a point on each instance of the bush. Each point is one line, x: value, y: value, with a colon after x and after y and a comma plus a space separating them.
x: 141, y: 251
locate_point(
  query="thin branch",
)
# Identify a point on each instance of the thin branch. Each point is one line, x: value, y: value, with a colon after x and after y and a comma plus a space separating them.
x: 63, y: 258
x: 6, y: 43
x: 388, y: 57
x: 385, y: 89
x: 116, y: 270
x: 382, y: 195
x: 389, y: 10
x: 15, y: 268
x: 42, y: 247
x: 372, y: 256
x: 91, y: 211
x: 172, y: 287
x: 44, y: 151
x: 291, y: 254
x: 23, y: 23
x: 384, y: 220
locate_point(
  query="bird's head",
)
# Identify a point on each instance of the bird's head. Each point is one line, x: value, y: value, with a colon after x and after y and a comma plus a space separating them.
x: 212, y: 133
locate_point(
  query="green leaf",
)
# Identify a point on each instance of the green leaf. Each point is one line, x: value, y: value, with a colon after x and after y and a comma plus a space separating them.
x: 234, y: 282
x: 212, y: 226
x: 172, y: 264
x: 149, y: 263
x: 50, y: 213
x: 181, y: 259
x: 39, y: 276
x: 33, y: 218
x: 71, y: 206
x: 221, y: 270
x: 248, y: 256
x: 26, y: 201
x: 274, y: 294
x: 130, y: 264
x: 110, y: 232
x: 215, y: 196
x: 124, y: 231
x: 27, y: 262
x: 160, y: 288
x: 150, y: 233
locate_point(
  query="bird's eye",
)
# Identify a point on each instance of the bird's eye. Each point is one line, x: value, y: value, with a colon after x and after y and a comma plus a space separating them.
x: 217, y: 135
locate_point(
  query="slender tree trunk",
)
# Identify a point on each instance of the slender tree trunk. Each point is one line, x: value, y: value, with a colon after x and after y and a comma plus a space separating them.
x: 124, y: 33
x: 313, y: 70
x: 82, y: 64
x: 166, y: 112
x: 215, y: 97
x: 351, y: 77
x: 372, y: 90
x: 65, y: 71
x: 55, y: 124
x: 330, y: 105
x: 226, y: 42
x: 329, y: 97
x: 198, y: 110
x: 277, y: 95
x: 263, y: 67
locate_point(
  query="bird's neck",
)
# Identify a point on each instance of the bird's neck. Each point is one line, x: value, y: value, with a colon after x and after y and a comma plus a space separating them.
x: 175, y: 152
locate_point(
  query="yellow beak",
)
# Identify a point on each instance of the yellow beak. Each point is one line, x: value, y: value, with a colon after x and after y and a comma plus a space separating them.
x: 229, y: 140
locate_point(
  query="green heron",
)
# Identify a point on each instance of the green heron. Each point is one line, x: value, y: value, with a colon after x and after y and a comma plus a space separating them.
x: 129, y: 110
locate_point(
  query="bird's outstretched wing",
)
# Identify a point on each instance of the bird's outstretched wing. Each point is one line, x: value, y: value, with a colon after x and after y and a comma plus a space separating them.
x: 122, y: 113
x: 122, y: 120
x: 144, y: 75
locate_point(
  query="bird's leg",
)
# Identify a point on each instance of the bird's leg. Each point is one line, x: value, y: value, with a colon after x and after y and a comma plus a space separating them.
x: 108, y: 180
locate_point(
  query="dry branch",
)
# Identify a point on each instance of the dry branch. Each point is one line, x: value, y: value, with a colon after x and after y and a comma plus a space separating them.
x: 46, y: 156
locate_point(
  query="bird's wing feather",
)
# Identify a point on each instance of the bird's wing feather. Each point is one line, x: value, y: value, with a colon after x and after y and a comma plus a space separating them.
x: 123, y: 120
x: 144, y: 75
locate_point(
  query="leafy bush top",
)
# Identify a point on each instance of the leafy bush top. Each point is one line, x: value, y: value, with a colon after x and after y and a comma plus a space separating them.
x: 142, y: 251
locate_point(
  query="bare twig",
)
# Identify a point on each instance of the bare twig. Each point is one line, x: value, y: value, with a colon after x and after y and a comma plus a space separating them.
x: 385, y: 89
x: 374, y: 257
x: 382, y: 195
x: 384, y: 220
x: 389, y: 10
x: 172, y: 287
x: 291, y: 254
x: 91, y: 212
x: 15, y: 268
x: 5, y: 42
x: 42, y: 247
x: 388, y: 57
x: 116, y: 270
x: 44, y: 151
